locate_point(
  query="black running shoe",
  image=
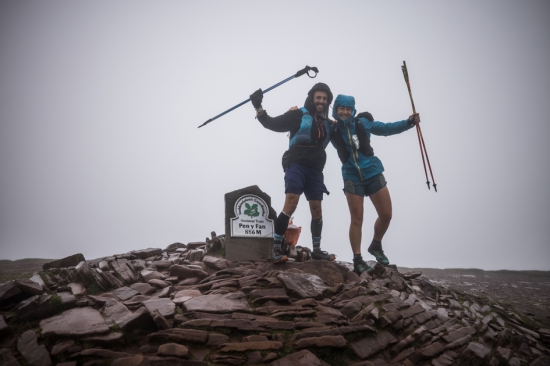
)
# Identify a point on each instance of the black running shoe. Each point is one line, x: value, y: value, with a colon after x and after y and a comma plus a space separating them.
x: 378, y: 253
x: 277, y: 255
x: 322, y: 255
x: 361, y: 267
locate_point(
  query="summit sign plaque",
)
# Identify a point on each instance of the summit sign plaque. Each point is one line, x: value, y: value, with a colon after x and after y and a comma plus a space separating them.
x: 249, y: 224
x: 252, y: 218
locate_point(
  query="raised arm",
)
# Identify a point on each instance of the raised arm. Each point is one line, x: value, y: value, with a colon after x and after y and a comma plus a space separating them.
x: 284, y: 123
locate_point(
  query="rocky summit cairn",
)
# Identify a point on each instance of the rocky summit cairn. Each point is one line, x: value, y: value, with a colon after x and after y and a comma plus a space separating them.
x: 185, y: 305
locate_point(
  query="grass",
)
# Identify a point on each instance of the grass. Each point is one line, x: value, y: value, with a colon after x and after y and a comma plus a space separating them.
x: 56, y: 303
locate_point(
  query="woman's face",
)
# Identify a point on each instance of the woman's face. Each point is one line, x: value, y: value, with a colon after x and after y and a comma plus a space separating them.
x: 344, y: 112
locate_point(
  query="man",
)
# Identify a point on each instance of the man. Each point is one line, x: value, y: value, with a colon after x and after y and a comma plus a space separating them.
x: 303, y: 163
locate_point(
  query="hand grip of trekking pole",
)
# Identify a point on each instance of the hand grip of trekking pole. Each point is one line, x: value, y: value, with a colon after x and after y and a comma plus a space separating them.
x: 306, y: 70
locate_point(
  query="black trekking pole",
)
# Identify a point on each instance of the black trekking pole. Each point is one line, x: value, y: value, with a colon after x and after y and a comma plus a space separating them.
x: 305, y: 70
x: 423, y: 150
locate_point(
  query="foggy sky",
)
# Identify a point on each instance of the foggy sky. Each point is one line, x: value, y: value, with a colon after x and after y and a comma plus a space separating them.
x: 100, y: 102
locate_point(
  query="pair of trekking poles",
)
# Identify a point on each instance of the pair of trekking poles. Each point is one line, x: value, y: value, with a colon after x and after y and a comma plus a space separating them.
x: 307, y: 70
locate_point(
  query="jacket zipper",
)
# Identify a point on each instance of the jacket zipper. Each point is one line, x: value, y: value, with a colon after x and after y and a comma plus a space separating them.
x: 352, y: 153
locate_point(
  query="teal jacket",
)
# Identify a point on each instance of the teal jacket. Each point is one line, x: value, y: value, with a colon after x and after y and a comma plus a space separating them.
x: 353, y: 134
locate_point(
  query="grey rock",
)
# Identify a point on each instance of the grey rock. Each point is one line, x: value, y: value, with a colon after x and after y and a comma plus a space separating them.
x: 175, y: 246
x: 34, y: 354
x: 158, y: 283
x: 103, y: 353
x: 8, y: 292
x: 35, y: 307
x: 184, y: 272
x: 215, y: 263
x: 164, y: 306
x: 372, y: 345
x: 61, y: 347
x: 4, y: 329
x: 77, y: 289
x: 303, y: 285
x: 124, y: 293
x: 37, y: 279
x: 219, y: 303
x: 140, y: 319
x: 124, y: 269
x: 301, y: 358
x: 149, y: 274
x: 351, y: 307
x: 160, y: 320
x: 147, y: 253
x: 162, y: 264
x: 84, y: 273
x: 75, y: 322
x: 322, y: 342
x: 114, y: 310
x: 70, y: 261
x: 68, y: 300
x: 173, y: 349
x: 29, y: 287
x: 143, y: 288
x: 459, y: 333
x: 474, y: 354
x: 115, y: 339
x: 6, y: 358
x: 541, y: 361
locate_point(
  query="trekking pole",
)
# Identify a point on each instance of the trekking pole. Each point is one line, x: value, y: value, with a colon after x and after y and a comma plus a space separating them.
x: 423, y: 149
x: 301, y: 72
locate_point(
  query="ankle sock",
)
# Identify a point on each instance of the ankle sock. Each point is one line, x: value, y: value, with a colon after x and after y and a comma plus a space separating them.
x: 316, y: 243
x: 376, y: 245
x: 357, y: 258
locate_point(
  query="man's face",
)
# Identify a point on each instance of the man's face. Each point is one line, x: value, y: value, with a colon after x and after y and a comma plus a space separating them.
x: 344, y: 112
x: 320, y: 101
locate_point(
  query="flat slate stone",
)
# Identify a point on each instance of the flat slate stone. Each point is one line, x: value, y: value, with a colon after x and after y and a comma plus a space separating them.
x: 70, y: 261
x: 369, y: 346
x: 303, y: 285
x: 29, y: 287
x: 34, y: 354
x: 149, y: 274
x: 219, y: 303
x: 75, y: 322
x: 124, y: 293
x: 303, y: 357
x: 459, y: 333
x: 164, y: 306
x: 143, y: 288
x: 8, y: 291
x: 147, y: 253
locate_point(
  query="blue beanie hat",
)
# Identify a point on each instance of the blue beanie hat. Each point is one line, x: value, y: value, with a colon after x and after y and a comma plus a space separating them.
x: 343, y: 101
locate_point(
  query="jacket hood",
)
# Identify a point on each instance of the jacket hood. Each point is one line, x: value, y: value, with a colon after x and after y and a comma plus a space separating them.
x: 343, y: 101
x: 308, y: 104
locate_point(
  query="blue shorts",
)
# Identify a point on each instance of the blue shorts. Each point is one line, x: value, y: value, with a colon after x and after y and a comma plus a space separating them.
x: 366, y: 187
x: 304, y: 179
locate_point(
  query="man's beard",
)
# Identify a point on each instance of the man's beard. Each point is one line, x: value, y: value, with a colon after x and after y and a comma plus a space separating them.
x: 317, y: 111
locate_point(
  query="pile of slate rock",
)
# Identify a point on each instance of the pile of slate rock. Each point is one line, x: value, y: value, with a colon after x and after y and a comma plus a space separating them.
x: 184, y: 306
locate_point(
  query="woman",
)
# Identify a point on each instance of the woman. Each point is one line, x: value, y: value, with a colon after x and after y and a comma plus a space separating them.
x: 362, y: 173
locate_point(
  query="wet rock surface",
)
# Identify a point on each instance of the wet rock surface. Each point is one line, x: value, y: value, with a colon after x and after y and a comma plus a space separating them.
x: 184, y: 306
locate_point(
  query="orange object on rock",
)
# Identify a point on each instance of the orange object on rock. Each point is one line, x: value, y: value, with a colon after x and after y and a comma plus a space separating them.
x: 292, y: 234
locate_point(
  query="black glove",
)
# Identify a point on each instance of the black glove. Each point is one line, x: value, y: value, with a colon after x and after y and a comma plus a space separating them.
x: 366, y: 115
x: 256, y: 98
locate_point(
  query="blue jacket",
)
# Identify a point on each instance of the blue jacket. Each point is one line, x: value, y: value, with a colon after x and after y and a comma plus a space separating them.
x: 359, y: 165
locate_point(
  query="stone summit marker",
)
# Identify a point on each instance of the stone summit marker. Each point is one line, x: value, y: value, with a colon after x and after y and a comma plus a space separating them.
x: 249, y: 224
